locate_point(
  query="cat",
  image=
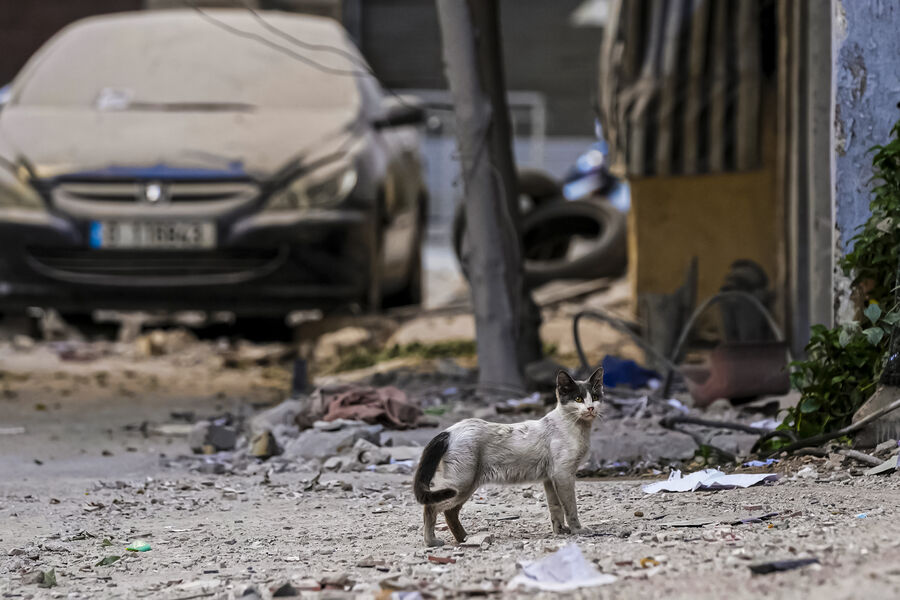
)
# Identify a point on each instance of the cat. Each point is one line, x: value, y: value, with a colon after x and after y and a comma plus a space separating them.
x: 474, y: 452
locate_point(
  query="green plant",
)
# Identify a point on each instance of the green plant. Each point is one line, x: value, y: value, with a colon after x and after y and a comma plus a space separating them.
x: 840, y: 372
x: 876, y: 247
x: 843, y: 364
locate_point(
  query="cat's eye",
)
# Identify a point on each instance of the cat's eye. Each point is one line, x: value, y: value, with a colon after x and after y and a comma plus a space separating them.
x: 579, y: 399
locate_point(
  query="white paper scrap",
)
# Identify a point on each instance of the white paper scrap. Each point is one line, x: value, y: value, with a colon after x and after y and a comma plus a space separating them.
x: 707, y: 479
x: 564, y: 570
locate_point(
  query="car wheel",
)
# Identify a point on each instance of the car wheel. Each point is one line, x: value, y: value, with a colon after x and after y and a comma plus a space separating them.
x: 374, y: 295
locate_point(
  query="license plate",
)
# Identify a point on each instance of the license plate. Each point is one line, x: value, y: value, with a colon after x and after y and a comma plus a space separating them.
x: 153, y: 234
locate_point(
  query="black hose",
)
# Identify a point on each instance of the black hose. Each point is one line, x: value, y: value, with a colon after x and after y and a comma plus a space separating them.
x: 619, y: 324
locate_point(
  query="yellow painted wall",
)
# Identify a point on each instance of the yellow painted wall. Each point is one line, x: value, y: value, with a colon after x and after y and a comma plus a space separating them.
x: 718, y: 218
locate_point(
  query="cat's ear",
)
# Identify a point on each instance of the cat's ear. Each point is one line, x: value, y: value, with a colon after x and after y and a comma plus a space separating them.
x: 596, y: 382
x: 564, y: 383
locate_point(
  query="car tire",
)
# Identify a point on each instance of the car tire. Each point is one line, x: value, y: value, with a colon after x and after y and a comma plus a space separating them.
x: 537, y: 186
x: 374, y: 297
x: 548, y: 230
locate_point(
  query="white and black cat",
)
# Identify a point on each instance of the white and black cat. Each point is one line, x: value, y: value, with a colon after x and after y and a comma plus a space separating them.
x: 474, y: 452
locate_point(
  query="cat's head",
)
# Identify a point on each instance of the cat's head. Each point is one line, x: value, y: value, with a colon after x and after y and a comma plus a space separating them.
x: 580, y: 400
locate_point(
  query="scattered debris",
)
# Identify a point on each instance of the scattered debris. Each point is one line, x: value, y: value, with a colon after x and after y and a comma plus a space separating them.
x: 46, y: 579
x: 12, y: 430
x: 620, y: 371
x: 171, y: 429
x: 707, y: 479
x: 564, y: 570
x: 861, y: 457
x: 478, y: 540
x: 386, y: 406
x: 160, y: 342
x: 107, y: 560
x: 520, y: 405
x: 888, y: 466
x: 442, y: 560
x: 285, y: 590
x: 139, y: 546
x: 782, y: 565
x: 264, y: 446
x: 762, y: 463
x: 206, y: 434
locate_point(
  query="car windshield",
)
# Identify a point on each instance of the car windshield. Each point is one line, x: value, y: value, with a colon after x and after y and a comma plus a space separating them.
x: 183, y: 61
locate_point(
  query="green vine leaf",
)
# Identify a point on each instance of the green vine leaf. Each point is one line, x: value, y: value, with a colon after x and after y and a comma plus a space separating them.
x: 810, y: 405
x: 873, y: 313
x: 891, y: 318
x: 845, y: 337
x: 874, y: 335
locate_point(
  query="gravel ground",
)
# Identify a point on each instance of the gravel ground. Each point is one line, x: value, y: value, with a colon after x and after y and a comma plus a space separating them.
x: 77, y: 477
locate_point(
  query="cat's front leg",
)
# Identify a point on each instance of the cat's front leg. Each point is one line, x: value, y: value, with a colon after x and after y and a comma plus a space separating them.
x: 557, y: 517
x: 565, y: 490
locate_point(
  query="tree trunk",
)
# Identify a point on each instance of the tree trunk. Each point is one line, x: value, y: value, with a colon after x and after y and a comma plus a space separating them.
x: 486, y: 19
x: 505, y: 318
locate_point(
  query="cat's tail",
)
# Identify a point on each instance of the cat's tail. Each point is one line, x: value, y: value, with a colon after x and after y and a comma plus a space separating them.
x: 428, y: 464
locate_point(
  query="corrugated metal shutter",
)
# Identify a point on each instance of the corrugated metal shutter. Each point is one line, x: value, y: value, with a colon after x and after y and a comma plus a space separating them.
x: 680, y: 85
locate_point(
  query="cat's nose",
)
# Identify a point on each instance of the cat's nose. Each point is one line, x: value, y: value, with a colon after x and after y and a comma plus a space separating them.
x: 591, y: 408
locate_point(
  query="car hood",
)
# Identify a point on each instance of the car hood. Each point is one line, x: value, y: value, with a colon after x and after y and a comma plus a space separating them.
x: 257, y: 144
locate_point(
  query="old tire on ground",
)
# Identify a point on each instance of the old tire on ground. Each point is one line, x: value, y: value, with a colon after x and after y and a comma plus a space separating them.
x: 536, y: 189
x: 548, y: 232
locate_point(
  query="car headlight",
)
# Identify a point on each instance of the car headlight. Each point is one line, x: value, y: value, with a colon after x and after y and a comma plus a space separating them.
x: 323, y: 187
x: 16, y: 194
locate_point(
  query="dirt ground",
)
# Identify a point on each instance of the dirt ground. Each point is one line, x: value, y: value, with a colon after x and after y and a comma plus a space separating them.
x: 82, y: 482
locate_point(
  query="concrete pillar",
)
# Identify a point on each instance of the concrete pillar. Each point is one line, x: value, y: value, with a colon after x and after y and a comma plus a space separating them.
x: 865, y: 89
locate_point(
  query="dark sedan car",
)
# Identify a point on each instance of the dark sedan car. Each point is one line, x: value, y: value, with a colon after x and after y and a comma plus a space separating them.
x: 206, y: 161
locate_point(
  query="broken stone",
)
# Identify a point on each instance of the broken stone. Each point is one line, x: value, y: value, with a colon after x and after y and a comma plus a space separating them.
x: 885, y: 448
x: 478, y: 540
x: 284, y: 590
x: 412, y: 453
x: 308, y: 585
x: 337, y: 424
x: 485, y: 412
x: 612, y: 442
x: 264, y: 446
x: 368, y: 453
x: 161, y: 342
x: 251, y: 355
x: 249, y: 593
x: 313, y: 444
x: 807, y: 473
x: 172, y: 429
x: 284, y: 414
x: 219, y: 437
x: 23, y: 343
x: 335, y: 463
x: 338, y: 580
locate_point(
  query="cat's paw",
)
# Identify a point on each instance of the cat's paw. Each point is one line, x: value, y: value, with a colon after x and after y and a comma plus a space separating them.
x: 435, y: 543
x: 560, y: 529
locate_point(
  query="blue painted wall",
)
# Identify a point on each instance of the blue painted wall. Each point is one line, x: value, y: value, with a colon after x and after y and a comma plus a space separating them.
x: 866, y: 82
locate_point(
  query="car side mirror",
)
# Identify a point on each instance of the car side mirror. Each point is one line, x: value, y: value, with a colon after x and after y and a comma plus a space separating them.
x: 399, y: 112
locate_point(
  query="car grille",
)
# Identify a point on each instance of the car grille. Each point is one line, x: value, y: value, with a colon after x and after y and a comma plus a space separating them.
x: 134, y: 191
x: 128, y: 267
